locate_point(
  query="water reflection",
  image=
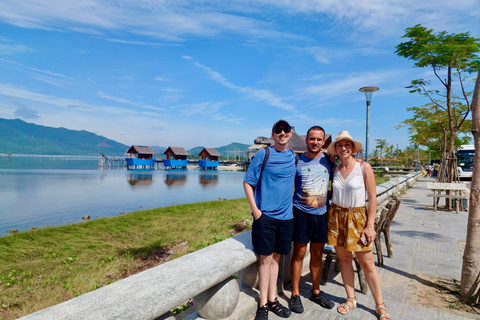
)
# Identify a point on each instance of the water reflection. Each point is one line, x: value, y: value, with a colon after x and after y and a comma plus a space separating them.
x: 52, y: 197
x: 208, y: 180
x: 140, y: 179
x: 175, y: 179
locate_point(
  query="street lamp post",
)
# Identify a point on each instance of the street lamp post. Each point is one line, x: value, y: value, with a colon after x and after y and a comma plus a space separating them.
x: 368, y: 96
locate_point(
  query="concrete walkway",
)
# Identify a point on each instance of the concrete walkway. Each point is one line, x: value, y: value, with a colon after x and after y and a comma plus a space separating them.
x: 426, y: 245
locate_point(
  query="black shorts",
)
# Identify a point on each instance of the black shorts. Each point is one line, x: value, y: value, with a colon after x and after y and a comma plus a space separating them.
x: 271, y: 235
x: 309, y: 227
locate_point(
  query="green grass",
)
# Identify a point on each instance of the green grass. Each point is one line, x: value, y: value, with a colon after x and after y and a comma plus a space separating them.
x: 43, y: 267
x: 380, y: 180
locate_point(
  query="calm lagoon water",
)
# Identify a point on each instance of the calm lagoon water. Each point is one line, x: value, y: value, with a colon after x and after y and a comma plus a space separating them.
x: 45, y: 192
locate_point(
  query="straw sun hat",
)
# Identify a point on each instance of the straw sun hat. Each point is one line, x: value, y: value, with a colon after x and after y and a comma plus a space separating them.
x: 344, y: 135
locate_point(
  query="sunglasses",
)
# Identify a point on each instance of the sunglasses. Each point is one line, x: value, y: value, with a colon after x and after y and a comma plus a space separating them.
x: 280, y: 129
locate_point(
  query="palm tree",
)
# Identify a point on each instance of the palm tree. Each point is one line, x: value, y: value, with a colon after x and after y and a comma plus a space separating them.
x: 381, y: 143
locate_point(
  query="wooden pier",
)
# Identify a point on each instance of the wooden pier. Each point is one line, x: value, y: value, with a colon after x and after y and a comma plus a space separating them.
x: 111, y: 162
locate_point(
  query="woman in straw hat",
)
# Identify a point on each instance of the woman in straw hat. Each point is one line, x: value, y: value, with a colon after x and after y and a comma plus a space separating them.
x: 351, y: 224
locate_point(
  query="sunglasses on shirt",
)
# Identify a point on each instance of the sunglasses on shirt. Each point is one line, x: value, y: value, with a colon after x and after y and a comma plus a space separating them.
x: 280, y: 129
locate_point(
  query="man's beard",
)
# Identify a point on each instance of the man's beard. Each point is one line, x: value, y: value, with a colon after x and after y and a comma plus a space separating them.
x: 312, y: 151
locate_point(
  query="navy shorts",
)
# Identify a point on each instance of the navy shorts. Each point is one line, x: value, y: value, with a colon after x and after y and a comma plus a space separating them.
x: 309, y: 227
x: 271, y: 235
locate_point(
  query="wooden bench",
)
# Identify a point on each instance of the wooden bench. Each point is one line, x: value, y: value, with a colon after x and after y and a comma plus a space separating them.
x: 382, y: 225
x: 444, y: 190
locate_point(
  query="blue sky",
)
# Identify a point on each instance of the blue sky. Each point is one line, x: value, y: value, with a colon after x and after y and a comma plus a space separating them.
x: 207, y: 73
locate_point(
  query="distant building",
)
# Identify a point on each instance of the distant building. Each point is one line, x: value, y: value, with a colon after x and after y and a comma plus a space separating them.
x: 209, y: 158
x: 140, y: 157
x: 297, y: 143
x: 175, y: 158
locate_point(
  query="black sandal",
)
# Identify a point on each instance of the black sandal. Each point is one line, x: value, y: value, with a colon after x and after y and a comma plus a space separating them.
x: 278, y: 309
x: 262, y: 313
x: 322, y: 300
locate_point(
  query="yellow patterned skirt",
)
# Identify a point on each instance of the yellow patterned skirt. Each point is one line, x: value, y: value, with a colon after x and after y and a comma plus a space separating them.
x: 345, y: 225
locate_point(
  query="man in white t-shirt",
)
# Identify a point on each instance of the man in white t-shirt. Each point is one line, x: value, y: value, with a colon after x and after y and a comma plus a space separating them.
x: 310, y: 204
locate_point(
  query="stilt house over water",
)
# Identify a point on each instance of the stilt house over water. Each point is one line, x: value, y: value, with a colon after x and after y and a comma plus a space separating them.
x: 140, y: 157
x: 175, y: 158
x: 209, y: 158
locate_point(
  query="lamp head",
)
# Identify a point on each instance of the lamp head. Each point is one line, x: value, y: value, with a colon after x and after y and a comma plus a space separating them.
x: 368, y: 92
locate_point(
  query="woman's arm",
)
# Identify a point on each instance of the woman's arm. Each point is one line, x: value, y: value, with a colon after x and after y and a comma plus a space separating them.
x: 371, y: 186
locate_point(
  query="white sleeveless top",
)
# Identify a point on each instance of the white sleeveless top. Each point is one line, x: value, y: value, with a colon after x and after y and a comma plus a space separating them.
x: 349, y: 192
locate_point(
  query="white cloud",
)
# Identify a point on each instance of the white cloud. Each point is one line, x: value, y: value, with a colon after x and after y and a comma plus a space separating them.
x: 201, y: 109
x: 16, y: 92
x: 251, y: 93
x: 171, y: 90
x: 7, y: 46
x: 339, y: 85
x: 177, y: 21
x: 113, y: 122
x: 142, y: 43
x: 45, y: 76
x: 161, y: 79
x: 153, y: 108
x: 113, y: 98
x: 386, y: 16
x: 173, y: 21
x: 49, y: 80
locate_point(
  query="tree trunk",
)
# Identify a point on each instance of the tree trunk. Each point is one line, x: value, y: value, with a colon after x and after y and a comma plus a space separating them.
x: 470, y: 282
x: 443, y: 156
x: 451, y: 133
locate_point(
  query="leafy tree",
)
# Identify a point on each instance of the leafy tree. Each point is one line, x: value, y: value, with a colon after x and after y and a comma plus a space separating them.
x: 428, y: 128
x: 375, y: 156
x: 470, y: 281
x: 360, y: 153
x: 389, y: 154
x: 450, y: 56
x: 381, y: 143
x: 409, y: 156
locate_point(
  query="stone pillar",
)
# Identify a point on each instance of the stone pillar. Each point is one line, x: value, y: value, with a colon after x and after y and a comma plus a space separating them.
x: 219, y: 301
x: 248, y: 276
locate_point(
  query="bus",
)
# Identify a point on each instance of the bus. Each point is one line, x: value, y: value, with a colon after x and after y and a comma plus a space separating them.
x: 465, y: 159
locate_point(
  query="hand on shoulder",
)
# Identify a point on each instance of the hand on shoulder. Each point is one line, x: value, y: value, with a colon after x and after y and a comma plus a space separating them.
x: 329, y: 156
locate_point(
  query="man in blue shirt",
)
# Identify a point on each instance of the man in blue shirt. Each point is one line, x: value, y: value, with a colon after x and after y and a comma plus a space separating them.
x: 269, y: 194
x: 310, y: 204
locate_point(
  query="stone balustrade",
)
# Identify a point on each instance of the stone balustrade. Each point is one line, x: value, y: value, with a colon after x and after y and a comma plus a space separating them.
x: 221, y: 279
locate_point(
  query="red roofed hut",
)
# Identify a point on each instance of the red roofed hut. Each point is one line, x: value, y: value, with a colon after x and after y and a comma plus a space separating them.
x: 140, y: 157
x: 209, y: 158
x: 176, y: 158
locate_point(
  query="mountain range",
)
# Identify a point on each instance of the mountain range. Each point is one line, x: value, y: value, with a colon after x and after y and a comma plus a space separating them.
x: 18, y: 136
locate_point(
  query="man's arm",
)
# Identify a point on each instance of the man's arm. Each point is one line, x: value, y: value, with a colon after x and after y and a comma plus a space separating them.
x: 251, y: 200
